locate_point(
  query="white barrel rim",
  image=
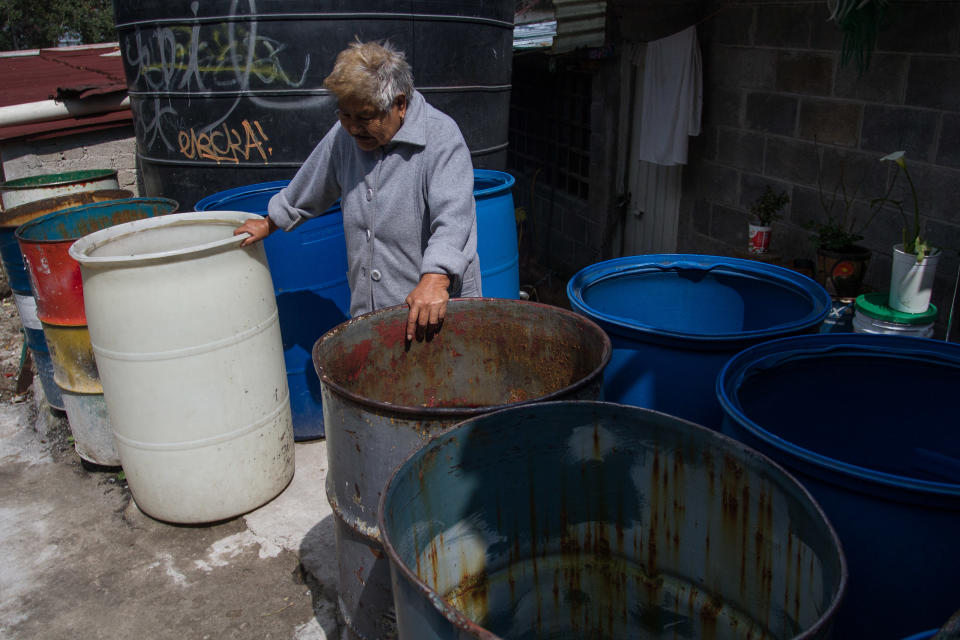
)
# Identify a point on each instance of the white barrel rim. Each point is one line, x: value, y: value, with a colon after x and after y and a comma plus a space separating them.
x: 82, y: 248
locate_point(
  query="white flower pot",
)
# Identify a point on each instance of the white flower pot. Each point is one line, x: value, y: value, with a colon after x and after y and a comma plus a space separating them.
x: 911, y: 282
x: 759, y: 238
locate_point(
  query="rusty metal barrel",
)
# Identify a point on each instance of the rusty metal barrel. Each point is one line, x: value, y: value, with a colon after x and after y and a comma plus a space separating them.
x: 383, y: 397
x: 58, y: 289
x: 599, y: 520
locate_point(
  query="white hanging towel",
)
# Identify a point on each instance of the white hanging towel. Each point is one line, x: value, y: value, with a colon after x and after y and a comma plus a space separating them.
x: 672, y: 98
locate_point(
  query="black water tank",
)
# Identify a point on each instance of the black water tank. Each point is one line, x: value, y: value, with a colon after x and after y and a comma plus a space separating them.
x: 230, y: 93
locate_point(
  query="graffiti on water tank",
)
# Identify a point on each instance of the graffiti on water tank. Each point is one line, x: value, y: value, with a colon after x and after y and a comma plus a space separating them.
x: 225, y: 143
x: 229, y: 57
x: 176, y: 58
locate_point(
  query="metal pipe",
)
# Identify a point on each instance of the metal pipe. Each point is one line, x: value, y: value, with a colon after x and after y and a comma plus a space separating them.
x: 44, y: 110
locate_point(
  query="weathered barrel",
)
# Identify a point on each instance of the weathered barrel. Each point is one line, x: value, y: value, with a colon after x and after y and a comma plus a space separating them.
x: 184, y: 326
x: 19, y: 279
x: 598, y: 520
x: 58, y: 289
x: 868, y: 424
x: 383, y: 397
x: 41, y: 186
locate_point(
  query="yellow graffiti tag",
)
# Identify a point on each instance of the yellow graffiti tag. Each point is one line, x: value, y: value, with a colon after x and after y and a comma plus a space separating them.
x: 226, y: 143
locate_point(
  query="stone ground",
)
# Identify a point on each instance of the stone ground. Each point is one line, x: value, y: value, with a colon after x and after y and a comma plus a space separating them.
x: 81, y: 560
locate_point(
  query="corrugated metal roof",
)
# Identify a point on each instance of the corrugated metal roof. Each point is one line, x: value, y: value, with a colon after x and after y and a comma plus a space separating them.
x: 62, y: 73
x: 580, y: 23
x: 569, y: 25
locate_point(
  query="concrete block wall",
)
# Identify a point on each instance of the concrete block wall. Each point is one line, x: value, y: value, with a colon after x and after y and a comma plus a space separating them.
x: 106, y: 149
x: 776, y: 93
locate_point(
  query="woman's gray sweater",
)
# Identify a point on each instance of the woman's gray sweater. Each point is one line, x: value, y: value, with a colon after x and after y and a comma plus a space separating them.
x: 408, y: 207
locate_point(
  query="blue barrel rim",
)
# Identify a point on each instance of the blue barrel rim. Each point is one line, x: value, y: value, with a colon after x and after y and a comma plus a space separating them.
x: 220, y: 198
x: 923, y: 635
x: 656, y: 263
x: 455, y: 616
x: 774, y: 352
x: 464, y: 412
x: 25, y: 230
x: 506, y: 182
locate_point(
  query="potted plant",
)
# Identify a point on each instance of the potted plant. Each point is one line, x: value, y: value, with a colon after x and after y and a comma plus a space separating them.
x: 764, y: 209
x: 914, y: 260
x: 841, y: 261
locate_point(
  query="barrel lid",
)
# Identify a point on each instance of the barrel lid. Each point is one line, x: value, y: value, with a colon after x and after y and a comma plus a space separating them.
x: 874, y: 305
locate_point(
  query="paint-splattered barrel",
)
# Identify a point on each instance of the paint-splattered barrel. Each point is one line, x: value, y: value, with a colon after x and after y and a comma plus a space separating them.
x: 599, y: 520
x: 58, y: 289
x: 383, y: 397
x: 19, y: 279
x: 20, y: 191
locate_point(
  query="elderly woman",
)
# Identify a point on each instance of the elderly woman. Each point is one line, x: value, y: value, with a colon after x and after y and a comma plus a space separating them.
x: 403, y: 173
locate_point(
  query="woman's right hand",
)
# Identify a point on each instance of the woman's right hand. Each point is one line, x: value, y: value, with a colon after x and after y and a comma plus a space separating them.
x: 258, y: 228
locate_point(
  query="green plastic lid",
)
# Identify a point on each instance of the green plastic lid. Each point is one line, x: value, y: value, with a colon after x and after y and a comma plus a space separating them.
x: 875, y: 306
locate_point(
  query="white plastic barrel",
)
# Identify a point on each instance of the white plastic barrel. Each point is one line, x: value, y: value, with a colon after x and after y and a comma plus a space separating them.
x: 184, y: 326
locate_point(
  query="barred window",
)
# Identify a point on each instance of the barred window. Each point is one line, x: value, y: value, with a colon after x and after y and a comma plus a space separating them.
x: 550, y: 124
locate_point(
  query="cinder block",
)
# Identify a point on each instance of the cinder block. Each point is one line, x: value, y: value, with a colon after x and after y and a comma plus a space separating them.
x: 729, y: 226
x: 883, y: 81
x: 771, y: 112
x: 921, y: 27
x: 724, y: 107
x: 719, y: 183
x: 806, y: 73
x: 887, y: 129
x: 791, y: 160
x: 732, y: 26
x: 784, y: 25
x: 741, y: 149
x: 934, y: 83
x: 949, y: 144
x: 731, y: 67
x: 830, y: 121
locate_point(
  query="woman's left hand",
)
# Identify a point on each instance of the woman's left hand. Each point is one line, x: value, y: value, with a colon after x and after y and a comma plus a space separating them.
x: 428, y: 304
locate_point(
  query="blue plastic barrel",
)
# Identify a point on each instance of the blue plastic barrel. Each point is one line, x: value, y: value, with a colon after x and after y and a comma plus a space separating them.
x: 868, y: 424
x: 309, y: 270
x: 674, y: 321
x: 496, y: 234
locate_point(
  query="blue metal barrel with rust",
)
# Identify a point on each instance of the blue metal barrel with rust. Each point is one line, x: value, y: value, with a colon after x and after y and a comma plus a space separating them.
x: 676, y: 319
x: 598, y: 520
x: 868, y: 424
x: 383, y: 397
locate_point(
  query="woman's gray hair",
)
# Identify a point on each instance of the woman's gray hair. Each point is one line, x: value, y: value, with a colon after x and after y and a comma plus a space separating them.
x: 371, y: 72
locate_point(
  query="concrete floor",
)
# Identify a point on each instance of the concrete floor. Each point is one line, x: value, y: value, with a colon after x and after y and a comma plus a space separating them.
x: 81, y: 560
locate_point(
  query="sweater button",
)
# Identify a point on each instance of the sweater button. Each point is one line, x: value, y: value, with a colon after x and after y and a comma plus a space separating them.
x: 375, y: 275
x: 368, y: 234
x: 369, y: 195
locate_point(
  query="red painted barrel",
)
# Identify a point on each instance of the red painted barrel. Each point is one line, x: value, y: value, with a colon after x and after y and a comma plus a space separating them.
x: 44, y: 242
